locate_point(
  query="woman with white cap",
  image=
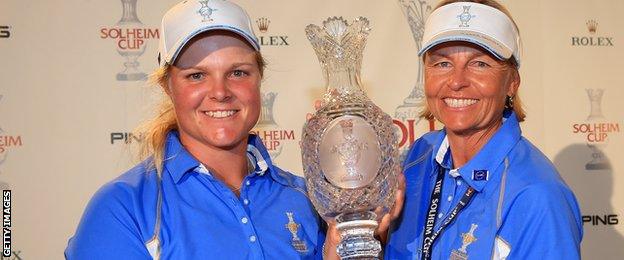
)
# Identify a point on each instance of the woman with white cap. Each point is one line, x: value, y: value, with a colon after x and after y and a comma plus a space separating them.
x: 208, y: 189
x: 477, y: 189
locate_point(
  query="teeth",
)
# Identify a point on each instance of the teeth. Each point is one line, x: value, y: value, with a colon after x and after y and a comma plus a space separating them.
x: 456, y: 102
x: 220, y: 114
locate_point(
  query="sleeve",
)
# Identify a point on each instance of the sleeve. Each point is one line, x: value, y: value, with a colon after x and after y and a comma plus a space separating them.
x: 543, y: 222
x: 108, y: 228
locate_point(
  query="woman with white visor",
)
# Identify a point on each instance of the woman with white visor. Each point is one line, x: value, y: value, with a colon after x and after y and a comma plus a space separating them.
x: 477, y: 189
x: 208, y: 189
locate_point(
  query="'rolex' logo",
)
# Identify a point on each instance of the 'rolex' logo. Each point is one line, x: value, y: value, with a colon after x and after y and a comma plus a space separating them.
x: 594, y: 40
x: 592, y: 25
x: 263, y: 24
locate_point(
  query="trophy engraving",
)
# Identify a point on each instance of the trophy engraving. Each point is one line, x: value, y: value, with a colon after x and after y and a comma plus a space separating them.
x: 349, y: 147
x: 133, y: 47
x: 349, y: 150
x: 598, y: 161
x: 346, y: 157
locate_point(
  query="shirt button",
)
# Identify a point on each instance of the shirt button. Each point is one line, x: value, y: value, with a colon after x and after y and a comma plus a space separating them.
x: 247, y: 183
x: 252, y: 238
x: 440, y: 215
x: 244, y: 220
x: 449, y: 199
x: 246, y: 201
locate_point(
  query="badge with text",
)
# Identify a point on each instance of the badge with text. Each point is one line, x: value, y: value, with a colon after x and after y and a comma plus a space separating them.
x: 467, y: 239
x: 293, y: 227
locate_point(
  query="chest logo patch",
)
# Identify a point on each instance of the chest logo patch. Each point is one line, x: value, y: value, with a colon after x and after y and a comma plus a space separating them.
x: 292, y: 226
x: 467, y: 239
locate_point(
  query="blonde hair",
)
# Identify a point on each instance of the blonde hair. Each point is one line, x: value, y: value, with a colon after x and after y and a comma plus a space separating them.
x: 517, y: 102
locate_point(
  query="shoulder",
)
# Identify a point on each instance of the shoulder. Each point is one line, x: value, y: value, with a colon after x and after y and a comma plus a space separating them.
x: 530, y: 168
x: 288, y: 179
x: 133, y: 184
x: 126, y: 197
x: 118, y: 218
x: 535, y: 188
x: 421, y: 150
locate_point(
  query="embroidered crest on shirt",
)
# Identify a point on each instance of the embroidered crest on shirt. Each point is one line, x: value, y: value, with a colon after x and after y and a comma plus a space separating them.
x: 293, y: 227
x: 467, y: 239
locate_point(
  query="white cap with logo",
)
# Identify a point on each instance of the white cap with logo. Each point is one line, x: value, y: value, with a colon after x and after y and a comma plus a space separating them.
x: 189, y: 18
x: 476, y: 23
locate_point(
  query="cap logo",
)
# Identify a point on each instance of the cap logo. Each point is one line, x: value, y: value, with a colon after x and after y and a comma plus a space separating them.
x: 205, y: 11
x: 465, y: 17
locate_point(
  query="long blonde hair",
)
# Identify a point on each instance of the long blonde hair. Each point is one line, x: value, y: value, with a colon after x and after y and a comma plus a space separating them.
x: 154, y: 131
x: 517, y: 102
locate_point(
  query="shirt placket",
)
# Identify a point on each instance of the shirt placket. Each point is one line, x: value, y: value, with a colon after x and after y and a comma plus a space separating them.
x: 240, y: 208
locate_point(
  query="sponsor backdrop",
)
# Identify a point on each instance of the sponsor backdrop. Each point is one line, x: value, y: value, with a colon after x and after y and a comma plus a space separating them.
x: 73, y: 88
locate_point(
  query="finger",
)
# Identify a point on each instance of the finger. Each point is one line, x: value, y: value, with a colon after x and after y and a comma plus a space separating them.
x: 332, y: 233
x: 399, y: 199
x: 317, y: 104
x: 309, y: 116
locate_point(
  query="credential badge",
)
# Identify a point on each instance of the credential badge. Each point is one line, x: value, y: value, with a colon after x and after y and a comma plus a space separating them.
x: 465, y: 17
x: 293, y: 227
x: 467, y: 239
x: 205, y: 11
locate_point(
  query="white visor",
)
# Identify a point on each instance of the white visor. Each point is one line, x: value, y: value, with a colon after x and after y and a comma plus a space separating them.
x: 476, y: 23
x: 190, y: 18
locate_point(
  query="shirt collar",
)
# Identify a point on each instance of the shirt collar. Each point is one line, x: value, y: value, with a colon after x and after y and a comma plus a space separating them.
x: 179, y: 161
x: 489, y: 157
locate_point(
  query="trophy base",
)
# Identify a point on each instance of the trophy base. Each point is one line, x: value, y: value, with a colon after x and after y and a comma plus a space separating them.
x: 357, y: 230
x: 131, y: 76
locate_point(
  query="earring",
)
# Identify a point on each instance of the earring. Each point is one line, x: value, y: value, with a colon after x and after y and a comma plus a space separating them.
x: 509, y: 102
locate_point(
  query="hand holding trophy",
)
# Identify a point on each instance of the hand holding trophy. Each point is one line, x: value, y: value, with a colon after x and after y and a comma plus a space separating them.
x: 349, y: 146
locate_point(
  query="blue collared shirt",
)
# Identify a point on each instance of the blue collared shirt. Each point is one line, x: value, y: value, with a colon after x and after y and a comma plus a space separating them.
x: 522, y: 208
x: 200, y: 217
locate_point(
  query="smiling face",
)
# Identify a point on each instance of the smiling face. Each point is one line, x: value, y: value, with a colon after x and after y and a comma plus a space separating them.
x: 466, y: 87
x: 214, y: 85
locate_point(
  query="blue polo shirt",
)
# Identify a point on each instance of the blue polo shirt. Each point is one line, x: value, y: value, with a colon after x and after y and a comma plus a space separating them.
x: 199, y: 217
x: 522, y: 209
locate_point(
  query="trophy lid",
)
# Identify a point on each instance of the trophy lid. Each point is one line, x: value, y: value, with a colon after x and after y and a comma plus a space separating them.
x: 338, y: 44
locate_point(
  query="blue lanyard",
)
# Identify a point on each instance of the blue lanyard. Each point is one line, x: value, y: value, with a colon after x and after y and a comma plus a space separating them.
x: 429, y: 235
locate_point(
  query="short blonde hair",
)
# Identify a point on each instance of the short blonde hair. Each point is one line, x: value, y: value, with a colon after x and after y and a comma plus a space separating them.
x: 517, y: 102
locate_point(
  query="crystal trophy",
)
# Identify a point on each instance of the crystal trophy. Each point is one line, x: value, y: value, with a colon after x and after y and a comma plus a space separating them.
x: 416, y: 12
x: 349, y: 147
x: 599, y: 160
x: 133, y: 47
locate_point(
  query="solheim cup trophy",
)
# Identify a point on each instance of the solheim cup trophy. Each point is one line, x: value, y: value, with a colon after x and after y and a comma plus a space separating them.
x: 134, y: 47
x: 349, y: 147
